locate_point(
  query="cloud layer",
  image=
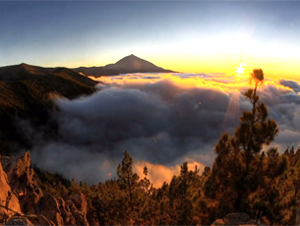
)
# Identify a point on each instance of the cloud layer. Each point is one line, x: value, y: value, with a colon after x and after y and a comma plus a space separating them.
x: 162, y: 120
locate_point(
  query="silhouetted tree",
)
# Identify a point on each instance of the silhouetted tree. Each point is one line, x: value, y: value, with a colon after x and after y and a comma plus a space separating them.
x: 233, y: 172
x: 127, y: 179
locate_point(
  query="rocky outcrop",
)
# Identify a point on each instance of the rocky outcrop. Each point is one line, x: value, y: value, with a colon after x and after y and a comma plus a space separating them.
x: 48, y: 206
x: 20, y: 192
x: 19, y: 220
x: 235, y: 219
x: 78, y: 207
x: 8, y: 200
x: 22, y: 182
x: 67, y: 216
x: 39, y: 220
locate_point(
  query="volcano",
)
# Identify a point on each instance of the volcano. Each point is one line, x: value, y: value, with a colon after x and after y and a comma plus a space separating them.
x: 128, y: 64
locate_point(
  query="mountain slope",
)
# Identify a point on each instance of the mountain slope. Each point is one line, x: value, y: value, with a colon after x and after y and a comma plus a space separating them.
x: 28, y: 72
x: 22, y: 72
x: 129, y: 64
x: 26, y: 92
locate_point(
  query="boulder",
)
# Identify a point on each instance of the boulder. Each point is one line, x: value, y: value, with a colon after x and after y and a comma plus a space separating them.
x: 40, y: 220
x: 18, y: 219
x: 66, y: 214
x: 15, y: 167
x: 80, y: 202
x: 235, y: 219
x: 80, y: 217
x: 21, y: 192
x: 22, y: 182
x: 48, y: 206
x: 218, y: 222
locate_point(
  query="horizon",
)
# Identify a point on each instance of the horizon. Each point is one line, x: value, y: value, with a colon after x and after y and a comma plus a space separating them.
x: 239, y: 75
x: 190, y: 37
x: 213, y: 129
x: 214, y: 45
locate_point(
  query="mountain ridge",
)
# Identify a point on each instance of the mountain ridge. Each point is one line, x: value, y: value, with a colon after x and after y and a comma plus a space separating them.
x: 128, y: 64
x: 26, y: 92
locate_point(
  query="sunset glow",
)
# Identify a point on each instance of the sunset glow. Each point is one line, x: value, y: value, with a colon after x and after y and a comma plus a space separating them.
x: 158, y: 174
x: 210, y: 49
x: 189, y: 38
x: 221, y: 82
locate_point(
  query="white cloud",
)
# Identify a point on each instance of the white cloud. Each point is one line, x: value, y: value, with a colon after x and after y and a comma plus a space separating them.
x: 162, y: 120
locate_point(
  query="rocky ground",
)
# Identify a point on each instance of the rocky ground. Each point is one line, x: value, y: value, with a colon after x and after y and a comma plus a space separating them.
x: 24, y: 202
x: 22, y: 199
x: 236, y: 219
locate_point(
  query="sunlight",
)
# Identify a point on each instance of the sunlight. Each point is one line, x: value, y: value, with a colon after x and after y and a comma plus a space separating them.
x: 240, y: 69
x: 218, y: 81
x: 158, y: 174
x: 232, y: 112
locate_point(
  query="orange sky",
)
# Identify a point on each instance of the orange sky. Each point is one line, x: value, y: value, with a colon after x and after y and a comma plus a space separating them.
x: 223, y: 82
x: 273, y: 68
x: 184, y: 36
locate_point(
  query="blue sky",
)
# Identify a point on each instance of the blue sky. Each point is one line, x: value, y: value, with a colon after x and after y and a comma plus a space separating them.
x: 179, y: 35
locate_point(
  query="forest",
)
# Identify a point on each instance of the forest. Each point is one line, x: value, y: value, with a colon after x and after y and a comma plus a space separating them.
x: 247, y: 176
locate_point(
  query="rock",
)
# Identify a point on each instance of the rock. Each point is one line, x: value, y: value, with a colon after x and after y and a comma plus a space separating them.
x: 15, y: 167
x: 21, y: 192
x: 19, y: 220
x: 218, y: 222
x: 67, y: 216
x: 80, y: 202
x: 80, y: 217
x: 8, y: 200
x: 49, y: 207
x: 22, y: 182
x: 235, y: 219
x: 40, y: 220
x: 298, y: 214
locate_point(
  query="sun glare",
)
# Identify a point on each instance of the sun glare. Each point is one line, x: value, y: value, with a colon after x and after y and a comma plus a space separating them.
x: 240, y: 69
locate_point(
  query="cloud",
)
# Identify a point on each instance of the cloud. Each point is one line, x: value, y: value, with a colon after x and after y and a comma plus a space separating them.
x: 291, y: 84
x: 158, y: 174
x: 162, y: 120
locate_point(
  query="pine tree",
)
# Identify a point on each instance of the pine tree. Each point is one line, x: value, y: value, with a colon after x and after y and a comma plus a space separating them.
x: 233, y: 172
x: 127, y: 179
x: 145, y: 183
x: 183, y: 193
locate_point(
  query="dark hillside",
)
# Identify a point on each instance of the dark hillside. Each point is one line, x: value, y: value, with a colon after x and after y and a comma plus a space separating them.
x: 22, y: 72
x: 73, y: 76
x: 26, y: 93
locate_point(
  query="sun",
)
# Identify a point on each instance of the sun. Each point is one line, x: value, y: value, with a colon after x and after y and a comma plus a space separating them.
x: 240, y: 69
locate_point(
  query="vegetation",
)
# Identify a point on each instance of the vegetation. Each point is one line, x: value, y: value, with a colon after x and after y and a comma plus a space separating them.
x: 30, y: 97
x: 245, y: 177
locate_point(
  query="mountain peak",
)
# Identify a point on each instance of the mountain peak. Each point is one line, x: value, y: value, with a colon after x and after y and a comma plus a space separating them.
x: 132, y: 57
x: 24, y: 66
x: 133, y: 63
x: 128, y: 64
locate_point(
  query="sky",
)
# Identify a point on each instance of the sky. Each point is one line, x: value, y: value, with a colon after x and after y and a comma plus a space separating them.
x: 184, y: 36
x: 161, y: 119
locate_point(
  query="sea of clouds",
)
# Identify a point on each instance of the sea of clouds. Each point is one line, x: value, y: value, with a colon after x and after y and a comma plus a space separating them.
x: 162, y: 120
